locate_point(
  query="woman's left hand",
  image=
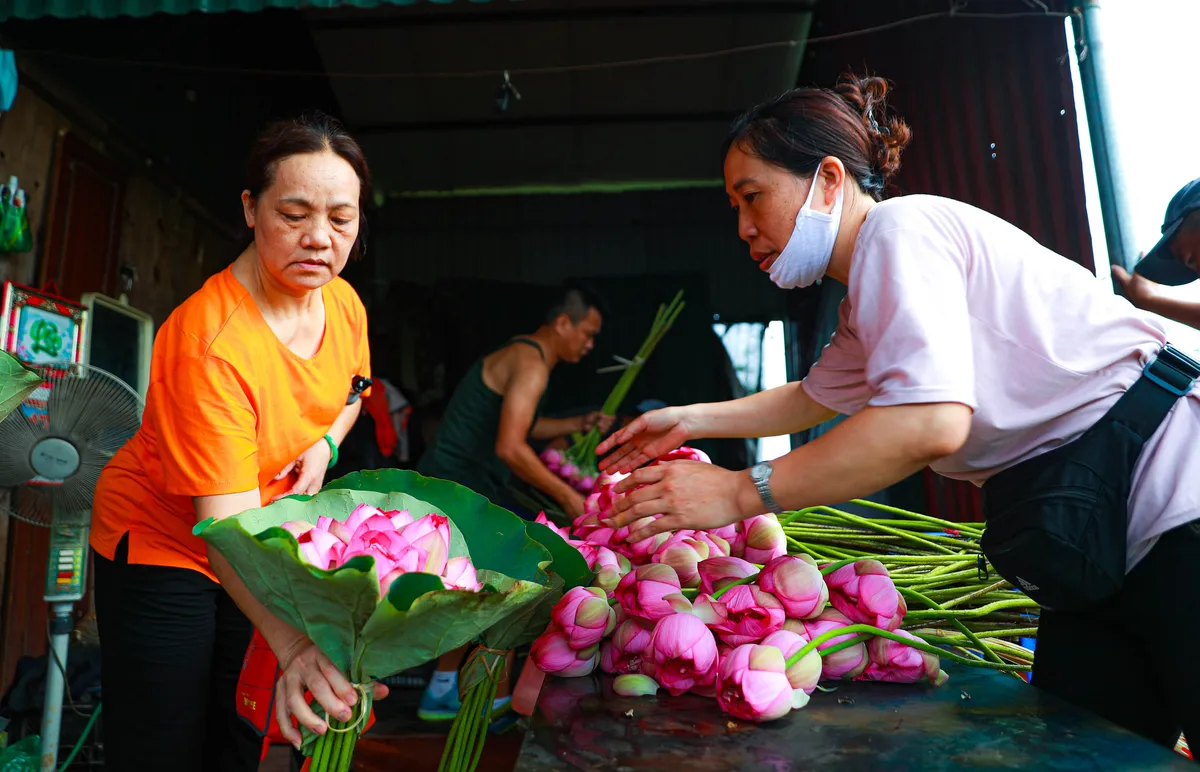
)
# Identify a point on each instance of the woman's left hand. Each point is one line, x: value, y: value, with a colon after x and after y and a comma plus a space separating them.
x: 688, y: 494
x: 309, y: 469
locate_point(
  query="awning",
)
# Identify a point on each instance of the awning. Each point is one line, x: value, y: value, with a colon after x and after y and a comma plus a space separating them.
x: 108, y: 9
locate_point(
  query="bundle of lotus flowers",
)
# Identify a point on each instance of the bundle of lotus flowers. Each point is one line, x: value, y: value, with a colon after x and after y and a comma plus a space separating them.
x: 954, y: 597
x: 730, y: 614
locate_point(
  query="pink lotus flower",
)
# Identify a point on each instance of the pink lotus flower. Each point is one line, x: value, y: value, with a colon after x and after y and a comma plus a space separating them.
x: 553, y: 459
x: 610, y: 567
x: 894, y: 662
x: 297, y: 528
x: 717, y: 546
x: 797, y: 584
x: 865, y: 593
x: 718, y: 573
x: 552, y: 653
x: 460, y: 575
x: 584, y: 615
x: 586, y: 484
x: 726, y: 532
x: 646, y: 592
x: 624, y: 652
x: 847, y: 663
x: 683, y: 453
x: 322, y: 549
x: 682, y: 551
x: 751, y: 615
x: 384, y: 546
x: 543, y: 520
x: 401, y: 519
x: 683, y: 653
x: 641, y: 552
x: 752, y: 684
x: 805, y: 674
x: 568, y: 470
x: 609, y: 479
x: 764, y: 539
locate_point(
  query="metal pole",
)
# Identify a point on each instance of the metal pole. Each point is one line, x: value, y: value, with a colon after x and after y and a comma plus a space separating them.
x: 56, y: 665
x: 1114, y: 202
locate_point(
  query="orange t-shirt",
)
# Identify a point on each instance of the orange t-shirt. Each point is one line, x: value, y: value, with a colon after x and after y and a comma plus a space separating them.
x: 229, y: 406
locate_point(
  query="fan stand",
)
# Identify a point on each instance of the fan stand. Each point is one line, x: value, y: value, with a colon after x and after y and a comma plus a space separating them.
x: 54, y: 458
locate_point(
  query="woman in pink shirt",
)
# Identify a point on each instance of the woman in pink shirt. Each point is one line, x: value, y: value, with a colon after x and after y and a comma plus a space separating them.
x: 966, y: 346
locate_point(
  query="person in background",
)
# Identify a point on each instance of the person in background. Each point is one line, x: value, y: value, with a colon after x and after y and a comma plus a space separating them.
x: 483, y: 439
x: 1172, y: 262
x: 963, y: 345
x: 250, y: 394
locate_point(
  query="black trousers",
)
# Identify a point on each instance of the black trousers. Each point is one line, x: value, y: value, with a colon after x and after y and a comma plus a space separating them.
x: 1135, y: 661
x: 172, y: 643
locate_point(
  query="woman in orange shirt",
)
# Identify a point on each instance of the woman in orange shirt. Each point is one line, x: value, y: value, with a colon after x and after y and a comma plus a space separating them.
x: 249, y: 397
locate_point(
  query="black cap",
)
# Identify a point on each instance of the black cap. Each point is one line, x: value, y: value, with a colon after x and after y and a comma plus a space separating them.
x: 1160, y: 264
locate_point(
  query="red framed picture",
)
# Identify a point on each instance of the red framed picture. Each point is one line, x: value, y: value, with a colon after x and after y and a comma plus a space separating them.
x: 40, y: 328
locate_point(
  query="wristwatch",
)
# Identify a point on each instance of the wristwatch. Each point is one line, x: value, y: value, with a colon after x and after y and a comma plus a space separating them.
x: 761, y: 475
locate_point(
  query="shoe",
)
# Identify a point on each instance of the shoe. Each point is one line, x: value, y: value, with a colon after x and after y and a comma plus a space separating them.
x: 439, y: 708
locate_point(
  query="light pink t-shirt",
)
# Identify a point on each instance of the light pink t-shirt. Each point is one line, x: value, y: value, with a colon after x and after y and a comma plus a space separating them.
x: 948, y: 303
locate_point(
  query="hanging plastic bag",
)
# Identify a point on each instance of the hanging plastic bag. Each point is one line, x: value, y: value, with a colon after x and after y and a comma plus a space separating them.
x: 15, y: 235
x: 25, y: 756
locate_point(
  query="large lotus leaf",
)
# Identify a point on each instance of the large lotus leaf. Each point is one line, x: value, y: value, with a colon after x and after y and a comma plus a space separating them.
x: 435, y: 623
x: 340, y: 609
x: 495, y: 537
x: 568, y: 562
x: 16, y: 383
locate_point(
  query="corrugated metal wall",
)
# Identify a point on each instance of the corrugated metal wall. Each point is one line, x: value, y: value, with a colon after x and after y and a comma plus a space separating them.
x: 991, y: 107
x: 544, y: 239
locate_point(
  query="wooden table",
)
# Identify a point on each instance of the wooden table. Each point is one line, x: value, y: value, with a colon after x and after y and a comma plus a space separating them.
x: 980, y: 720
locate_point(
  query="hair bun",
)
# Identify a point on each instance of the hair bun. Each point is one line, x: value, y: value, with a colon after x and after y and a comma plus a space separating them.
x: 888, y: 133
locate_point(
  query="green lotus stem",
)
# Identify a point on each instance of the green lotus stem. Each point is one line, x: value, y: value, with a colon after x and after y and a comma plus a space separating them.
x: 348, y: 741
x: 949, y: 576
x: 1000, y: 585
x: 964, y: 527
x: 916, y: 644
x: 583, y: 452
x: 909, y: 537
x: 1016, y: 632
x: 961, y: 627
x: 982, y: 611
x: 844, y: 645
x: 489, y: 699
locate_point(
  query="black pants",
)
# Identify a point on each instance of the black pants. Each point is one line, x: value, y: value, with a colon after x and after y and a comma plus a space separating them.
x: 1135, y: 662
x: 172, y: 643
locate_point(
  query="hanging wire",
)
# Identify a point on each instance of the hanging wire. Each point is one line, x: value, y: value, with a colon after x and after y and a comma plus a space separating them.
x: 954, y: 12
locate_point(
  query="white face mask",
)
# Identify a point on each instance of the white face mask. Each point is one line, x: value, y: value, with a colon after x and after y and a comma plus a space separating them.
x: 807, y: 253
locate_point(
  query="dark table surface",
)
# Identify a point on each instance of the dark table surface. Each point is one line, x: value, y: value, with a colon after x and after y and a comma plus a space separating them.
x: 979, y: 720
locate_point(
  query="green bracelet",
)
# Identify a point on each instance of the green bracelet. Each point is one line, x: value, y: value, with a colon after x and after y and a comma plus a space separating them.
x: 333, y: 451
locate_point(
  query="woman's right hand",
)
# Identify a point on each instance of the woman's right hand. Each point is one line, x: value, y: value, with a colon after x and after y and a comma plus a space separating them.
x: 647, y: 437
x: 307, y: 668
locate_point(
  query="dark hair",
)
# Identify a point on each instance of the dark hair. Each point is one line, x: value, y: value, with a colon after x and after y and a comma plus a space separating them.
x: 853, y: 123
x: 313, y: 132
x: 574, y: 300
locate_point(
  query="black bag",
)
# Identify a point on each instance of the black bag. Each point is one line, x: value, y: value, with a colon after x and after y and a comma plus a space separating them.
x: 1056, y: 523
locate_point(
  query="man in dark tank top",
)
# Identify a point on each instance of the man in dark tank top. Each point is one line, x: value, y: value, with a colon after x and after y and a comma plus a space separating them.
x: 483, y: 438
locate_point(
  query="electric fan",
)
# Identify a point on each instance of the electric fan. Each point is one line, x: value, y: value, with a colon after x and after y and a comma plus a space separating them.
x: 53, y: 447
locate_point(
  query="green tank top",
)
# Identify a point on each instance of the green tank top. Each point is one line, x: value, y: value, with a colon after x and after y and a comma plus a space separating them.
x: 464, y: 448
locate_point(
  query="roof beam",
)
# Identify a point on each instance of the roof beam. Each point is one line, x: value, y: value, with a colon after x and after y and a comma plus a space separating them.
x: 543, y: 121
x: 321, y: 21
